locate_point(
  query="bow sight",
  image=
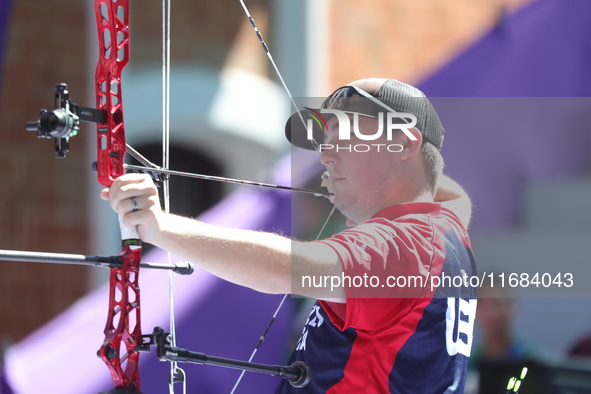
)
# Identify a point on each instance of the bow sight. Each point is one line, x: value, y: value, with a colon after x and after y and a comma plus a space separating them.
x: 64, y: 121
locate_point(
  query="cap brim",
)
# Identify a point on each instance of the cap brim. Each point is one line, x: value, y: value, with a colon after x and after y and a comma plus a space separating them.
x: 296, y: 128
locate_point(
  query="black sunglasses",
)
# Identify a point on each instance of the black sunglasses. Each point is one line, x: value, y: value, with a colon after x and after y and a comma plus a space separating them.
x: 353, y: 99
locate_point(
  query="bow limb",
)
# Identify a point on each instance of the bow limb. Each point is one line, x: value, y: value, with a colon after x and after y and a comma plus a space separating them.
x: 123, y: 328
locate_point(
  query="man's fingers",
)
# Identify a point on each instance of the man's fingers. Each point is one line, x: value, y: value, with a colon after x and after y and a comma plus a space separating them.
x: 105, y: 194
x: 128, y: 186
x: 134, y: 198
x: 145, y: 219
x: 129, y: 205
x: 132, y: 219
x: 130, y: 181
x: 137, y: 189
x: 132, y: 205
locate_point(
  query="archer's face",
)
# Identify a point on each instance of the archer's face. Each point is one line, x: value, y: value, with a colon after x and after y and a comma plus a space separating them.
x: 362, y: 172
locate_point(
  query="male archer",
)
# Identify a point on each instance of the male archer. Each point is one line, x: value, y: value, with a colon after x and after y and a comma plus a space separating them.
x: 391, y: 324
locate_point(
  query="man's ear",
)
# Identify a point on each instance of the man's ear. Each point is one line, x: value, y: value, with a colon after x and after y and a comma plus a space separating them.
x: 410, y: 146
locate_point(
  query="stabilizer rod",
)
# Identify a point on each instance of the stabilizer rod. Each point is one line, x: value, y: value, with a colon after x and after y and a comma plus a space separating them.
x: 298, y: 374
x: 181, y: 268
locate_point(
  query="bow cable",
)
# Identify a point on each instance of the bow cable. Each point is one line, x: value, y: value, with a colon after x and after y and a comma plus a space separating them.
x: 316, y: 147
x: 260, y: 342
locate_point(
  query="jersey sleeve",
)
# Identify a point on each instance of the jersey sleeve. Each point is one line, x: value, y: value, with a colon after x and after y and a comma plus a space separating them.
x: 386, y: 269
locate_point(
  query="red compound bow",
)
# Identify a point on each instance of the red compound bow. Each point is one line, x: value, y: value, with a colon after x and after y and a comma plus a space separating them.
x: 122, y: 331
x: 123, y: 338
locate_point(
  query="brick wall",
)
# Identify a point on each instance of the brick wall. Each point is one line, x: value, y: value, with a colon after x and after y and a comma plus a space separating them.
x: 42, y: 200
x: 405, y: 39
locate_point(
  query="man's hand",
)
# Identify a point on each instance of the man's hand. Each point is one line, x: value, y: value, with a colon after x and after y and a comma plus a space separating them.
x: 259, y: 260
x: 451, y: 196
x: 135, y: 199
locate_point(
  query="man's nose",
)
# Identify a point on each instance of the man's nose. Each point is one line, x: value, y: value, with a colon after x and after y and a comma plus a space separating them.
x: 328, y: 154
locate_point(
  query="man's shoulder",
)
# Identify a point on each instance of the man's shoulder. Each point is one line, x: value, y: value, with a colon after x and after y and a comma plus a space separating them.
x: 416, y: 217
x: 406, y: 211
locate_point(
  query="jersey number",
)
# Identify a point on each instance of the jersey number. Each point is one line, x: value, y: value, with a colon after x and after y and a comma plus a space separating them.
x: 459, y: 324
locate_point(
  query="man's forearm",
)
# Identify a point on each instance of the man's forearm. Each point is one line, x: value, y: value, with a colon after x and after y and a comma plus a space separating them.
x: 259, y: 260
x: 254, y: 259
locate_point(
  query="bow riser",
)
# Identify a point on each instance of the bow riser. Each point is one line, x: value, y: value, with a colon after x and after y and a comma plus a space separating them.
x: 123, y: 329
x: 113, y: 35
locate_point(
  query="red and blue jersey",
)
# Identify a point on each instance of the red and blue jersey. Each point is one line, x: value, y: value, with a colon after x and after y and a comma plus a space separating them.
x: 403, y: 334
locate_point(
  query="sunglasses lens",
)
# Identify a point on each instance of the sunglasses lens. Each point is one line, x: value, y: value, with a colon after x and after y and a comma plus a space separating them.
x: 339, y: 99
x: 353, y: 100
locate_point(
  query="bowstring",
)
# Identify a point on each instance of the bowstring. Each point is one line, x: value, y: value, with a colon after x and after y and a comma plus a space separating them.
x: 277, y: 72
x: 316, y: 147
x: 177, y: 375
